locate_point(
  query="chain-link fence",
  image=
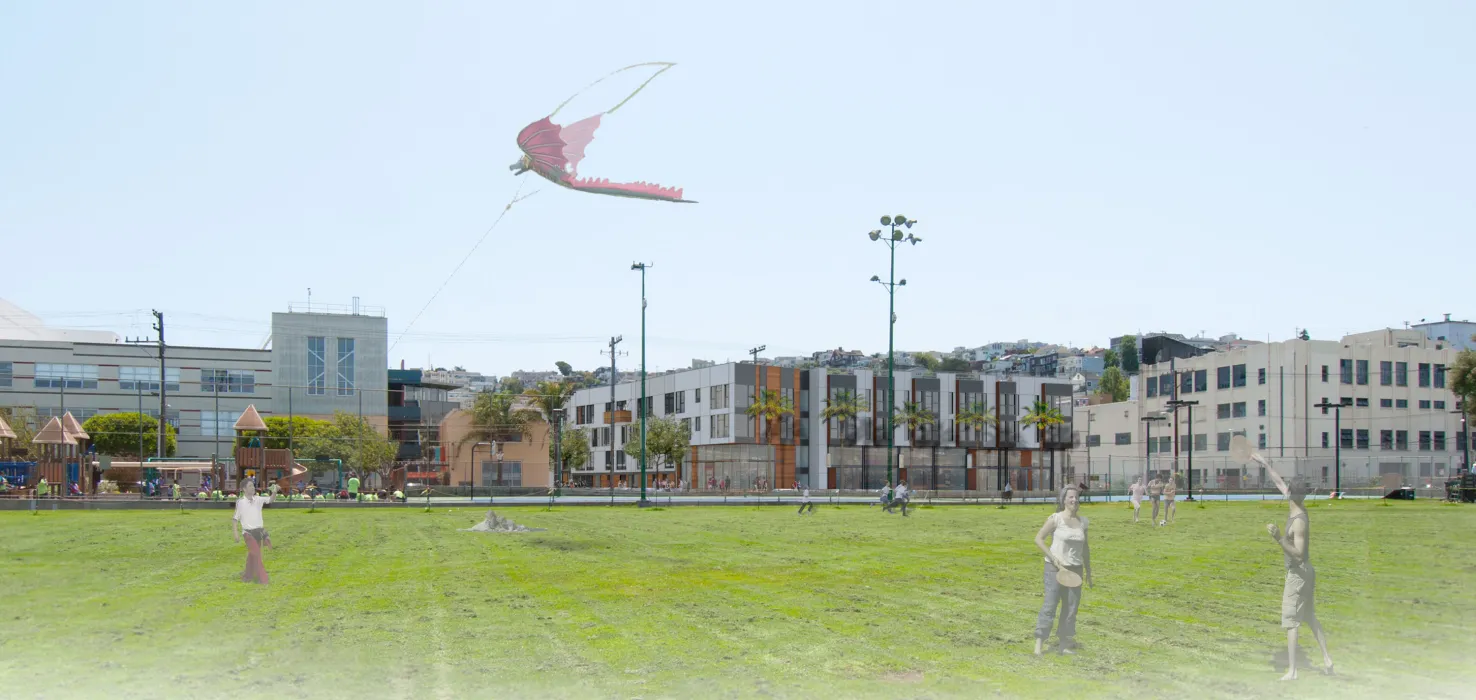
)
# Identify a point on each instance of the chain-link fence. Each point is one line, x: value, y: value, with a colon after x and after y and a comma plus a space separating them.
x: 1361, y: 475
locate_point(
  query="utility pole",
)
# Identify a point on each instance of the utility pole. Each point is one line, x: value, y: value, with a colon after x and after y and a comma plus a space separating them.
x: 1337, y: 444
x: 163, y: 388
x: 1176, y: 403
x: 758, y: 381
x: 642, y: 404
x: 610, y: 414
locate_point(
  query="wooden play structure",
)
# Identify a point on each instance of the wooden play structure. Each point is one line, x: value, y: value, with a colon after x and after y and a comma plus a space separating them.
x: 255, y: 461
x: 57, y: 448
x: 87, y: 475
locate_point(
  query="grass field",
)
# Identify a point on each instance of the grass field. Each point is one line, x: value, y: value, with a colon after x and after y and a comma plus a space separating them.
x: 722, y: 602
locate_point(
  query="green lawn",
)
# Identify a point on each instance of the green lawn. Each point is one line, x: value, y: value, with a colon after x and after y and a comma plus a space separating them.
x: 721, y: 602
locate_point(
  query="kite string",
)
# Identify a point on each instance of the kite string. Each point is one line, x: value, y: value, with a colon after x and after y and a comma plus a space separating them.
x: 665, y: 66
x: 515, y: 199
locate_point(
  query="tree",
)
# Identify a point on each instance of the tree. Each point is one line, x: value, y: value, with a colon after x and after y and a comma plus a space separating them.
x: 499, y: 417
x: 25, y: 423
x: 295, y: 433
x: 1127, y: 350
x: 117, y: 435
x: 547, y: 397
x: 914, y: 416
x: 976, y: 416
x: 564, y: 368
x: 1463, y: 383
x: 666, y: 441
x: 769, y: 407
x: 1042, y: 415
x: 954, y: 364
x: 575, y: 446
x: 1111, y: 359
x: 364, y: 449
x: 510, y: 386
x: 843, y: 409
x: 1114, y: 384
x: 926, y: 360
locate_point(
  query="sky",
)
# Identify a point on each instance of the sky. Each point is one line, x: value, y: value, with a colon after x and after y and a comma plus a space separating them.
x: 1077, y: 171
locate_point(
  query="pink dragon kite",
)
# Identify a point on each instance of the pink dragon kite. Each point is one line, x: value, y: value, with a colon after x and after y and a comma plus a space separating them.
x: 554, y: 151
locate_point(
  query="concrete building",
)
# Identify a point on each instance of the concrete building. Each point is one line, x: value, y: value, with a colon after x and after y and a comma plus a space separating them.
x: 18, y: 324
x: 416, y: 408
x: 1397, y: 415
x: 318, y: 363
x: 518, y: 460
x: 728, y: 447
x: 1456, y: 334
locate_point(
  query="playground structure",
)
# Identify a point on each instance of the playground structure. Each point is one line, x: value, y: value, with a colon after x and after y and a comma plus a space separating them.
x: 253, y: 460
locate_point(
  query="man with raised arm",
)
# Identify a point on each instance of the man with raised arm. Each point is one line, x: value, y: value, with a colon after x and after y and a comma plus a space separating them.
x: 1301, y: 580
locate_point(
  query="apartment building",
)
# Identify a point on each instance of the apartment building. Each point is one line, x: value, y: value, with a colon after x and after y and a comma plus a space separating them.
x: 949, y: 452
x: 1396, y: 416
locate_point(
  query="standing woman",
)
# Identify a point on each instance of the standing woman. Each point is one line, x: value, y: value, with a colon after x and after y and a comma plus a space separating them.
x: 1135, y: 496
x: 248, y: 519
x: 1067, y: 552
x: 1170, y: 490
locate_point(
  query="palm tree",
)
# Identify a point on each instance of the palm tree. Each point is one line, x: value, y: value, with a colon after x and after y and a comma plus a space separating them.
x: 769, y: 407
x: 1042, y: 415
x: 914, y: 416
x: 976, y: 416
x: 499, y: 417
x: 843, y: 408
x: 547, y: 397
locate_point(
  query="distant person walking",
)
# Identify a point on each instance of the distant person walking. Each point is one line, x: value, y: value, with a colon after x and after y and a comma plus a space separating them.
x: 248, y: 520
x: 1068, y: 551
x: 1301, y: 580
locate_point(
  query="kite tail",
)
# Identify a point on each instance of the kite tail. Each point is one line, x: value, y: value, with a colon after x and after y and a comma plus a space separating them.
x: 517, y: 197
x: 663, y: 64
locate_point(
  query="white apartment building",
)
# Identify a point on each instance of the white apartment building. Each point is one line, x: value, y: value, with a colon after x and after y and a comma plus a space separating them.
x: 1397, y: 410
x: 730, y: 449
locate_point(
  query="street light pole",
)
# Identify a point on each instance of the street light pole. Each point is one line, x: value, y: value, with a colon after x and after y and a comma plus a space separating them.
x: 1148, y: 422
x: 895, y: 237
x: 1337, y: 444
x: 1175, y: 404
x: 642, y: 405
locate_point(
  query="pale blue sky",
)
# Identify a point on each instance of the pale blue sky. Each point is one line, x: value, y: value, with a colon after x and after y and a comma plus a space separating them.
x: 1078, y: 170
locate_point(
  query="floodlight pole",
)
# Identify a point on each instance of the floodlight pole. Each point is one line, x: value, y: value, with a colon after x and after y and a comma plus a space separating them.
x: 1337, y: 444
x: 1175, y: 404
x: 892, y: 239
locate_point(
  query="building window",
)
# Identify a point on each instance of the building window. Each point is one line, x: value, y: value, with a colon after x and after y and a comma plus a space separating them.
x: 1166, y: 384
x: 1401, y: 439
x: 1424, y: 441
x: 1386, y: 403
x: 718, y: 397
x: 1386, y: 373
x: 6, y: 373
x: 1123, y: 438
x: 1094, y: 441
x: 1323, y: 401
x: 1401, y: 374
x: 1201, y: 380
x: 1239, y: 373
x: 317, y: 368
x: 1424, y: 375
x: 1261, y: 441
x: 1237, y: 410
x: 1186, y: 383
x: 147, y: 378
x: 1345, y: 371
x: 1222, y: 377
x: 1324, y: 439
x: 1152, y: 387
x: 1440, y: 440
x: 218, y: 424
x: 345, y: 366
x: 1222, y: 442
x: 1261, y: 376
x: 54, y: 376
x: 1324, y: 374
x: 1440, y: 405
x: 1362, y: 372
x: 1361, y: 403
x: 718, y: 424
x: 1386, y: 439
x: 697, y: 396
x: 1362, y: 439
x: 1261, y: 408
x: 1222, y: 411
x: 1439, y: 376
x: 1424, y: 404
x: 1201, y: 442
x: 697, y: 424
x: 227, y: 381
x: 1401, y: 403
x: 1166, y: 444
x: 1345, y: 438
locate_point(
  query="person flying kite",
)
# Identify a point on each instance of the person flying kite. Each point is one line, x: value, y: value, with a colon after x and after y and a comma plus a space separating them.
x: 554, y: 151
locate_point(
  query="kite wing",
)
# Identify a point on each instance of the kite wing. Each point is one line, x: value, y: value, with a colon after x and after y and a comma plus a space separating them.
x: 554, y: 152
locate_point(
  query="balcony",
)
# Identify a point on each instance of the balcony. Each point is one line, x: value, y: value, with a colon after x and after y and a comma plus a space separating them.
x: 619, y: 417
x: 410, y: 413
